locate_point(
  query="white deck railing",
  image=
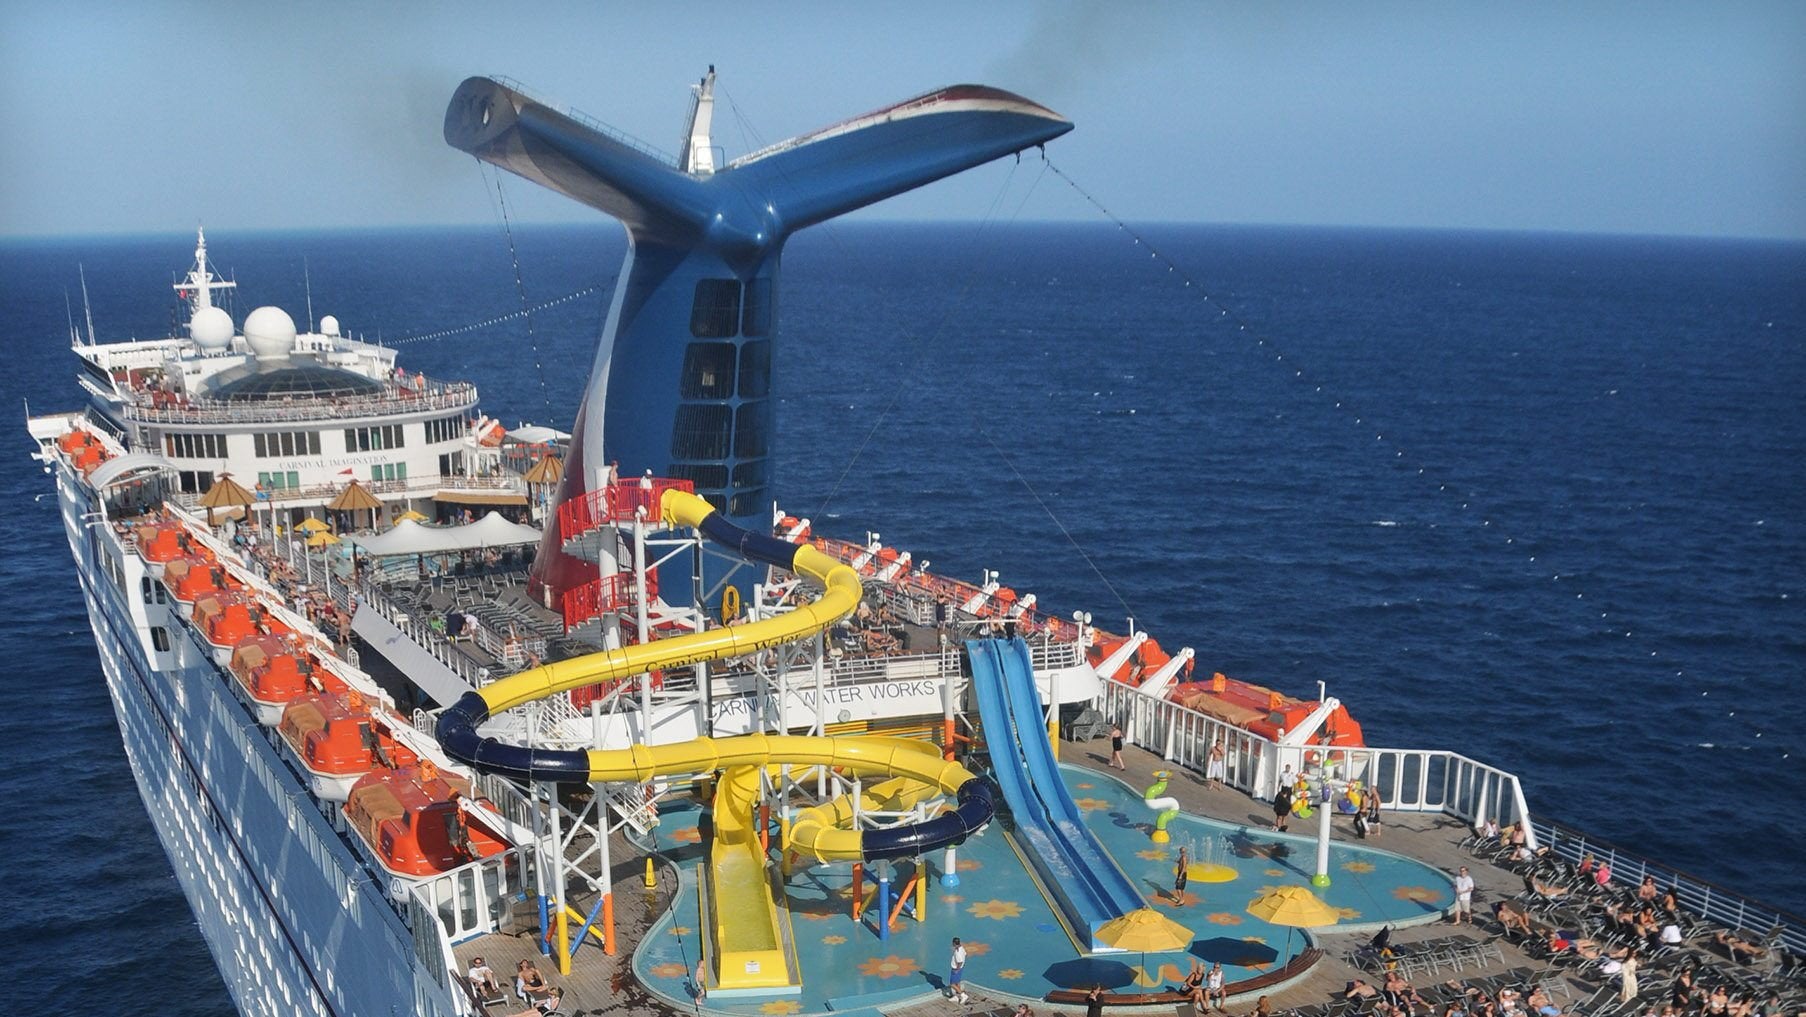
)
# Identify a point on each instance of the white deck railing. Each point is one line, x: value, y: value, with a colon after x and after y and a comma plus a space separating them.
x: 1408, y: 780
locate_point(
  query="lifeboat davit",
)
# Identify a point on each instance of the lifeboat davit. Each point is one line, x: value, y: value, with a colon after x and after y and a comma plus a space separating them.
x: 1137, y: 667
x: 411, y: 820
x: 337, y: 738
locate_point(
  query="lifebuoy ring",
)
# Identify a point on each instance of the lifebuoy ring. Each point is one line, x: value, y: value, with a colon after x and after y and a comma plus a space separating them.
x: 730, y: 605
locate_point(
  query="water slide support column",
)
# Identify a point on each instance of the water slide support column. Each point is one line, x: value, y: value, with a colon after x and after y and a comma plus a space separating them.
x: 608, y: 879
x: 947, y: 716
x: 564, y: 928
x: 949, y: 861
x: 883, y: 900
x: 642, y: 623
x: 1321, y: 877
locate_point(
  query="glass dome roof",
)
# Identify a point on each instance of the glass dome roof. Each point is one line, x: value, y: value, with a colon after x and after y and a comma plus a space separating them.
x: 293, y: 381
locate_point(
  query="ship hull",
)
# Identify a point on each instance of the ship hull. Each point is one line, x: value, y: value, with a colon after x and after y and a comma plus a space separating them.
x: 294, y: 925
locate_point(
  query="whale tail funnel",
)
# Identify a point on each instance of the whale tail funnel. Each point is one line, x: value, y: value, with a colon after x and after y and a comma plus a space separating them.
x: 681, y: 382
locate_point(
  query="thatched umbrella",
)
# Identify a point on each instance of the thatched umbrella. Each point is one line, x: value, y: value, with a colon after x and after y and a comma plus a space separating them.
x: 356, y: 498
x: 546, y: 474
x: 549, y: 470
x: 226, y: 493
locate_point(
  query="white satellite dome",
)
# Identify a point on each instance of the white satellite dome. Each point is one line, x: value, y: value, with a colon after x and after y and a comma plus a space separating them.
x: 270, y: 333
x: 211, y: 328
x: 329, y: 325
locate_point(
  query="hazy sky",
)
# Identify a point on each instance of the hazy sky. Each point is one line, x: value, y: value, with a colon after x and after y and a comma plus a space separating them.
x: 1600, y: 117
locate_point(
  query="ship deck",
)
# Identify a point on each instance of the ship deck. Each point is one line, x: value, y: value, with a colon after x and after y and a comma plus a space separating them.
x: 600, y: 984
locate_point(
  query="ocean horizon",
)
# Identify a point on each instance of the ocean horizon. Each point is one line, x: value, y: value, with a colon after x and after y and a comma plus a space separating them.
x: 1533, y: 497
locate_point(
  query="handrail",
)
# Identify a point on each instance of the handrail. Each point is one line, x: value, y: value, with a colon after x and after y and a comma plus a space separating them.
x: 1425, y: 780
x: 1696, y: 894
x: 1408, y: 780
x: 614, y: 133
x: 449, y: 396
x: 619, y: 502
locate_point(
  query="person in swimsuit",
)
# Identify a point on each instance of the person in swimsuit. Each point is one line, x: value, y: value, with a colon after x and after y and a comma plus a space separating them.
x: 530, y: 982
x: 1179, y: 876
x: 1216, y: 988
x: 1116, y: 747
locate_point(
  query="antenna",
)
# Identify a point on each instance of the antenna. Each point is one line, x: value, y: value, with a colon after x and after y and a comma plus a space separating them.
x: 69, y: 313
x: 308, y: 284
x: 87, y: 311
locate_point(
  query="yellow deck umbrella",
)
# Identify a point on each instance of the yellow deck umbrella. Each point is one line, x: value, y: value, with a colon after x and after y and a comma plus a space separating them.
x: 411, y: 516
x: 321, y: 538
x: 1294, y: 907
x: 311, y: 526
x: 1145, y: 931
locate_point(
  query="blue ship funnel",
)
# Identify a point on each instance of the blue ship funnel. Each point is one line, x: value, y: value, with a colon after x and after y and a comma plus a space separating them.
x: 682, y: 380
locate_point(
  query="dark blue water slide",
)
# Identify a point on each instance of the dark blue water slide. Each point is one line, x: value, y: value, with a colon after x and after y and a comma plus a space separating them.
x: 1086, y: 884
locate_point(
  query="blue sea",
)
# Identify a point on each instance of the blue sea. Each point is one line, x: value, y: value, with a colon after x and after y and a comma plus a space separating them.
x: 1537, y: 498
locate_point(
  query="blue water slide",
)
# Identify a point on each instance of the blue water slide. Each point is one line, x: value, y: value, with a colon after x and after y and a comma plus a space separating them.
x: 1088, y: 887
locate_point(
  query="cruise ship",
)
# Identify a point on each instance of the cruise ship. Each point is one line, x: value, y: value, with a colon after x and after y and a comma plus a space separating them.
x: 399, y: 684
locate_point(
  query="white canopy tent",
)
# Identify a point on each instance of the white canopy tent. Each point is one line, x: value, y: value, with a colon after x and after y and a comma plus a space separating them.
x: 534, y: 434
x: 409, y: 537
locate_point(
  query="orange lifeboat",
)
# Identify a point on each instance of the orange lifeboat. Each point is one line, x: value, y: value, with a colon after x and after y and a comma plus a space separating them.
x: 225, y: 618
x: 165, y: 543
x: 75, y: 441
x: 1263, y: 711
x: 789, y: 523
x: 274, y: 671
x: 410, y: 818
x: 338, y: 738
x: 193, y: 577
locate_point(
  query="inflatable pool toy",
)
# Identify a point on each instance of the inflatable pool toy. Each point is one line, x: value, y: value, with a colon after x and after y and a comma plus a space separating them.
x: 1301, y: 800
x: 1165, y: 808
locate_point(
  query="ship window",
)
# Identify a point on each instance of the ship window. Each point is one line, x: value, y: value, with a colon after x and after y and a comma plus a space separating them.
x: 755, y: 319
x: 716, y: 312
x: 749, y: 430
x: 746, y: 503
x: 286, y: 443
x: 755, y: 369
x: 195, y: 446
x: 708, y: 371
x: 701, y: 432
x: 752, y: 474
x: 160, y: 638
x: 373, y: 439
x: 445, y: 429
x: 700, y: 475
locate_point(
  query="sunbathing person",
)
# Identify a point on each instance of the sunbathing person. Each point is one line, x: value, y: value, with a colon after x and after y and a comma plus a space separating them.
x: 1359, y: 989
x: 1741, y: 950
x: 1512, y: 916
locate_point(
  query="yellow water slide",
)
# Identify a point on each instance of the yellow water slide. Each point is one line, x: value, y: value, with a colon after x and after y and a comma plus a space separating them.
x: 747, y: 926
